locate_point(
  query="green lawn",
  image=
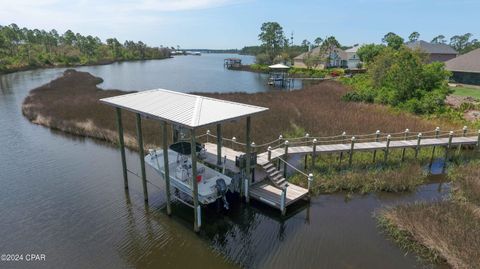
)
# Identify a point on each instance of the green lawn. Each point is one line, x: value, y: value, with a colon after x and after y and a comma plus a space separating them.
x: 464, y: 91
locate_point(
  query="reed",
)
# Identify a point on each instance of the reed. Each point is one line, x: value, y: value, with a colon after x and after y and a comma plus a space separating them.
x: 70, y: 103
x: 444, y: 230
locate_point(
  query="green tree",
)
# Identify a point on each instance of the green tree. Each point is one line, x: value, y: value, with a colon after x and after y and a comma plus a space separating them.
x: 439, y: 39
x: 273, y: 39
x: 401, y: 78
x: 367, y: 53
x: 306, y: 43
x: 460, y: 42
x: 318, y: 41
x: 413, y: 36
x: 393, y: 40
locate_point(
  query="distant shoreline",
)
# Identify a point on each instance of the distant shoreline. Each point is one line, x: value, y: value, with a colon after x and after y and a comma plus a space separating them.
x: 106, y: 62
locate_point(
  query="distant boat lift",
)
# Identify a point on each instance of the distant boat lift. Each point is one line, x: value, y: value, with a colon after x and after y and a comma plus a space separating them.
x: 279, y: 76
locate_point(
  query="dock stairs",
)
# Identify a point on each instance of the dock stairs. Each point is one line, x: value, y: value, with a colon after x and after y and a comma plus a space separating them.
x: 274, y: 175
x: 276, y: 191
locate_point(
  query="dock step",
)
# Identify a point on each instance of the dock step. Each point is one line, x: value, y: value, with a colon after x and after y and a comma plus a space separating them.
x: 274, y: 175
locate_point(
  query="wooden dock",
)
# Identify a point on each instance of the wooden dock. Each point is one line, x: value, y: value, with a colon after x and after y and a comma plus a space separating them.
x: 267, y: 193
x: 274, y: 190
x: 263, y: 158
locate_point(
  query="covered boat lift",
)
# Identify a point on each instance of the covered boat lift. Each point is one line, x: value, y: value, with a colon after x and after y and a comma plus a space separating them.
x: 279, y: 75
x: 187, y: 111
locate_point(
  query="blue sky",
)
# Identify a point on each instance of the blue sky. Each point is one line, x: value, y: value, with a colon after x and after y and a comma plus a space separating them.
x: 236, y: 23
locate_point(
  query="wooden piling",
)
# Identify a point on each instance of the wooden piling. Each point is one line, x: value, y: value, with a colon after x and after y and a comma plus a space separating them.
x: 437, y: 134
x: 405, y: 137
x: 283, y: 199
x: 142, y: 156
x: 464, y: 133
x: 219, y: 145
x: 389, y: 137
x: 314, y: 152
x: 310, y: 179
x: 248, y: 157
x: 197, y: 210
x: 478, y: 140
x: 344, y: 140
x: 352, y: 146
x: 447, y: 149
x: 121, y: 145
x: 377, y: 136
x: 269, y: 150
x: 285, y: 160
x: 166, y: 166
x: 419, y: 140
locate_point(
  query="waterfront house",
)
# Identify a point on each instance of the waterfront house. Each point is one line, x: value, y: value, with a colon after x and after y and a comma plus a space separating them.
x: 435, y: 52
x: 337, y: 58
x: 353, y: 61
x: 465, y: 68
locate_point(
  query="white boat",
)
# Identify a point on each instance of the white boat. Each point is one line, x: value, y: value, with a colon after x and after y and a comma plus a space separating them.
x: 212, y: 185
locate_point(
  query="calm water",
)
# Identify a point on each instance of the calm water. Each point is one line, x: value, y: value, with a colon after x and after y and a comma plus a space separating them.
x: 63, y: 196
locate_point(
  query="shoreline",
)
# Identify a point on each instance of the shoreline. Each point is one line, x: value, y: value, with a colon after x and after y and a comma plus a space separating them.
x: 29, y: 68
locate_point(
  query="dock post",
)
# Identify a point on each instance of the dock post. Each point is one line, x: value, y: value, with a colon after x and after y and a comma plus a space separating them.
x: 389, y: 137
x: 478, y: 140
x: 464, y: 133
x: 437, y: 134
x: 196, y: 207
x: 377, y: 136
x: 166, y: 167
x: 310, y: 179
x: 419, y: 140
x: 254, y: 151
x: 280, y: 138
x: 405, y: 137
x: 269, y: 150
x: 450, y: 138
x: 285, y: 161
x: 344, y: 141
x: 283, y: 199
x: 142, y: 156
x: 307, y: 135
x: 314, y: 152
x: 219, y: 145
x: 248, y: 157
x: 351, y: 151
x: 121, y: 144
x: 208, y: 134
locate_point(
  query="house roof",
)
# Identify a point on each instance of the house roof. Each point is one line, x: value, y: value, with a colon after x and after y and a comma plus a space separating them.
x: 431, y: 48
x: 353, y: 49
x: 469, y: 62
x: 187, y: 110
x: 341, y: 53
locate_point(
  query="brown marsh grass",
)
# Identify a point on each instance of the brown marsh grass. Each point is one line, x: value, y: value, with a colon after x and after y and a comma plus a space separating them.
x: 445, y: 230
x: 70, y: 103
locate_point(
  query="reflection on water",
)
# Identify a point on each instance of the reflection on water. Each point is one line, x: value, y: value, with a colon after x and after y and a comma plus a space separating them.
x: 63, y: 196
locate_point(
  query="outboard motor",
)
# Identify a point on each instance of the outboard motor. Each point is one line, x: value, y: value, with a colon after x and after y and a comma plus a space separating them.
x: 222, y: 191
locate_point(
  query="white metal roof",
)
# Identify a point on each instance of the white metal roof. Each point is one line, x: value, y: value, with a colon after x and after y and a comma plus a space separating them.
x: 184, y: 109
x: 278, y: 66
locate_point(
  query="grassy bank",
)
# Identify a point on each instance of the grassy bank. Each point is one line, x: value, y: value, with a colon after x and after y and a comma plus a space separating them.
x: 445, y: 230
x: 465, y: 91
x: 70, y: 103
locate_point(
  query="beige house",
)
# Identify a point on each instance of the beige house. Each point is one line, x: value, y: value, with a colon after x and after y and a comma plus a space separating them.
x: 338, y: 58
